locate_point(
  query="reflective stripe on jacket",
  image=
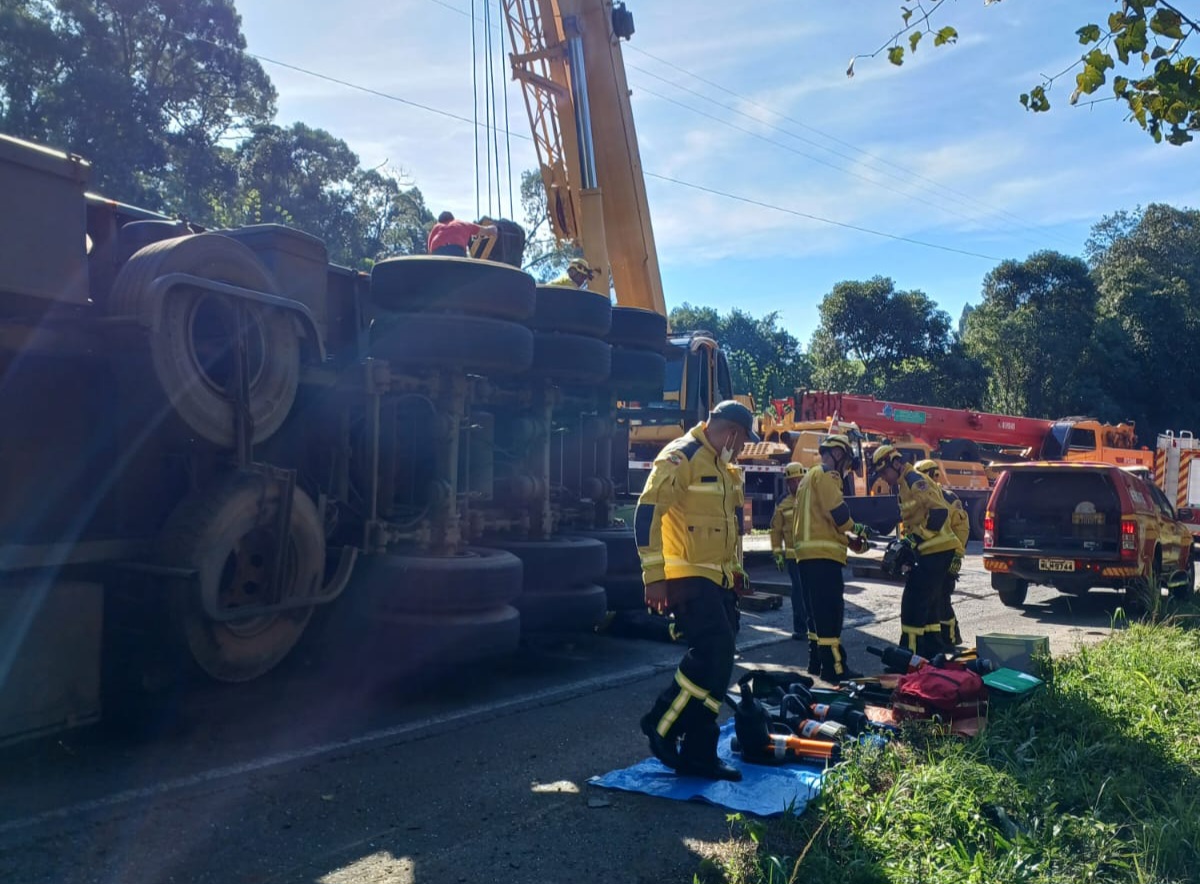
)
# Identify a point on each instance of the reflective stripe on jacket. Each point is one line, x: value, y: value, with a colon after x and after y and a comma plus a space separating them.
x: 925, y: 512
x: 688, y: 521
x: 781, y: 526
x: 821, y: 517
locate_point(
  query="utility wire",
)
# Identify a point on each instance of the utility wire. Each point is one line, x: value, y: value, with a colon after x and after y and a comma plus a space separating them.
x: 808, y: 156
x: 475, y: 105
x: 993, y: 209
x: 754, y: 202
x: 669, y: 179
x: 974, y: 216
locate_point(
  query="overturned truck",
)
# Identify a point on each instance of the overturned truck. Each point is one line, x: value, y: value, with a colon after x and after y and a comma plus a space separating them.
x: 216, y: 445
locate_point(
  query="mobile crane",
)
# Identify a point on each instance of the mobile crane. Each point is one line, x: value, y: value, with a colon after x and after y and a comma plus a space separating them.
x: 567, y: 57
x: 950, y: 435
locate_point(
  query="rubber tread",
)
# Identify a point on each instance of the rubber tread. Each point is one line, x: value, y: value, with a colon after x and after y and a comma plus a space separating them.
x: 413, y: 583
x: 463, y: 343
x: 441, y: 283
x: 573, y: 311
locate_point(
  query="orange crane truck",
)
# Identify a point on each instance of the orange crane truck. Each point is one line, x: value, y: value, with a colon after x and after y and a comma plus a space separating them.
x: 960, y: 439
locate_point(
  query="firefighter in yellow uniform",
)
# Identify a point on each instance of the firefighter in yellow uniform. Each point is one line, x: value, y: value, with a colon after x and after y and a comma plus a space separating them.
x: 784, y: 552
x: 688, y: 526
x: 928, y: 530
x: 960, y: 524
x: 820, y: 542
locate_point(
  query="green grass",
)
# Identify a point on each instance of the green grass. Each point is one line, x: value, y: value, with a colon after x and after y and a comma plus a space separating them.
x: 1096, y: 778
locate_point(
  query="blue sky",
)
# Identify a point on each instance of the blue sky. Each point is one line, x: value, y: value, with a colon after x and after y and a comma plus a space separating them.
x: 938, y: 151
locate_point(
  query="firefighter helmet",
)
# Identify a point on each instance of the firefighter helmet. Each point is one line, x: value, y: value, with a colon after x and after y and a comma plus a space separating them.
x: 929, y: 467
x: 794, y: 470
x: 883, y: 456
x: 834, y: 442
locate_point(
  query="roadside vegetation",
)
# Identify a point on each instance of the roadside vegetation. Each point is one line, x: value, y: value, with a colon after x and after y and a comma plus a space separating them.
x: 1097, y: 778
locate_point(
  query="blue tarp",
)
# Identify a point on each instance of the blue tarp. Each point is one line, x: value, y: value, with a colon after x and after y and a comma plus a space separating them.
x: 764, y: 791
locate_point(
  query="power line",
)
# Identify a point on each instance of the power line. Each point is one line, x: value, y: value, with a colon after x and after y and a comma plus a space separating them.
x: 974, y: 216
x: 669, y: 179
x: 764, y: 205
x: 992, y: 209
x: 808, y: 156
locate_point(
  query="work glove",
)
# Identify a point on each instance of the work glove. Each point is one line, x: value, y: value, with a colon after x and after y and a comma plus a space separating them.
x: 657, y: 601
x: 860, y: 530
x: 956, y: 564
x: 779, y: 560
x: 741, y: 582
x: 858, y: 543
x: 912, y: 541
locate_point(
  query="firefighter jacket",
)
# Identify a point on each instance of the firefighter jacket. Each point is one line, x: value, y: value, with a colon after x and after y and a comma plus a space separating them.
x: 960, y: 523
x: 925, y: 512
x: 821, y: 517
x: 781, y: 526
x: 688, y: 521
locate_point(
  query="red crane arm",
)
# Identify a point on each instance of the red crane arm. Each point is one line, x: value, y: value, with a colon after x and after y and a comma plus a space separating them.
x: 927, y: 423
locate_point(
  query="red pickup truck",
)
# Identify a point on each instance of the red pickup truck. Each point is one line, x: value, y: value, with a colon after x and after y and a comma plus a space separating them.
x: 1075, y: 526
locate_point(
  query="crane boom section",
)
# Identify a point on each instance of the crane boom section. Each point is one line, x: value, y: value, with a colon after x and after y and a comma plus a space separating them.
x: 929, y: 424
x: 567, y: 56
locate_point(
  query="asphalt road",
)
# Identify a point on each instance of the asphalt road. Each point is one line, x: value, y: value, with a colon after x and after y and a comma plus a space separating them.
x: 297, y: 778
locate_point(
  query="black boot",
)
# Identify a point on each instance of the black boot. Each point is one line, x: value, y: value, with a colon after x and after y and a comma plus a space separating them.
x: 834, y: 667
x: 665, y: 749
x: 698, y: 755
x: 814, y: 657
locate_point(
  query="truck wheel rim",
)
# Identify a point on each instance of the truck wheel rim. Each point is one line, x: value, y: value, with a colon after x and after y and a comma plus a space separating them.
x: 246, y: 579
x: 212, y: 329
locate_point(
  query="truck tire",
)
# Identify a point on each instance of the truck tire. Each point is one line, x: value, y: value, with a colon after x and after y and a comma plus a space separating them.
x: 187, y: 354
x: 1012, y: 591
x: 622, y: 549
x: 557, y: 563
x: 571, y: 359
x: 1143, y: 595
x: 637, y: 373
x: 975, y: 511
x: 445, y: 284
x: 416, y: 583
x: 638, y: 328
x: 464, y: 343
x: 226, y: 534
x: 573, y: 311
x: 412, y: 643
x: 625, y: 592
x: 577, y: 609
x: 1184, y: 592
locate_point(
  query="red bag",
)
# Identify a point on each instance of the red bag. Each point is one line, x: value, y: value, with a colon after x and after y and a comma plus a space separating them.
x: 940, y: 694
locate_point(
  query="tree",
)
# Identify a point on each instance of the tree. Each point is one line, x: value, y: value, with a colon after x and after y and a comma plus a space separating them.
x: 1033, y: 332
x: 545, y: 257
x: 764, y: 359
x: 898, y: 345
x: 1148, y: 318
x: 147, y: 91
x: 1146, y: 37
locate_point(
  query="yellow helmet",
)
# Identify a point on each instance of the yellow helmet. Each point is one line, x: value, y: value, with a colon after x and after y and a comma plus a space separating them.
x: 795, y: 470
x: 836, y: 441
x: 928, y: 467
x: 883, y: 454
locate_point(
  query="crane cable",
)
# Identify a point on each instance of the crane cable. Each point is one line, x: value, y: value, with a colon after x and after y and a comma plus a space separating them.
x: 475, y: 103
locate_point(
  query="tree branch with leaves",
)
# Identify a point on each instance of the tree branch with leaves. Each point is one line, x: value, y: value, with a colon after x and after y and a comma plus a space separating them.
x: 1162, y: 95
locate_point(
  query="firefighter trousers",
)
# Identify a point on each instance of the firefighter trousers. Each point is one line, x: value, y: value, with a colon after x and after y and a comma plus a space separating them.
x: 947, y: 619
x: 826, y: 589
x: 707, y: 616
x: 920, y: 627
x: 802, y: 621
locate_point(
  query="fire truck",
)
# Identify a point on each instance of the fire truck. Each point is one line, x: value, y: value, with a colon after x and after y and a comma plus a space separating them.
x: 970, y: 446
x: 1176, y: 473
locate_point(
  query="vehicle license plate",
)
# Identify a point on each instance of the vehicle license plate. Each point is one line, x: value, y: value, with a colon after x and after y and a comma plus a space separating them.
x: 1056, y: 564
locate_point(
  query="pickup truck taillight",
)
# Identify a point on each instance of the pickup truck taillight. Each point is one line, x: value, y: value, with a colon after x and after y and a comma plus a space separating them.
x: 1129, y: 539
x: 989, y: 532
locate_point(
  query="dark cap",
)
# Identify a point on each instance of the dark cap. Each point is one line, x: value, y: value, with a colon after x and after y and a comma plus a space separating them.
x: 736, y: 413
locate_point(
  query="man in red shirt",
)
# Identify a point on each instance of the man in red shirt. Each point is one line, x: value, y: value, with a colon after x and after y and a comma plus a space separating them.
x: 451, y: 237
